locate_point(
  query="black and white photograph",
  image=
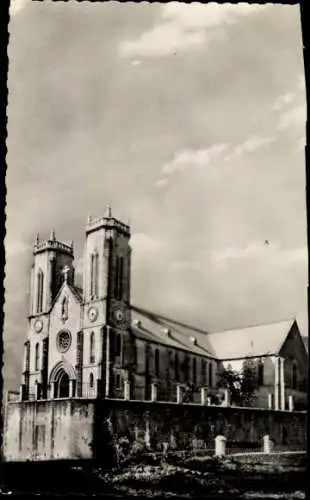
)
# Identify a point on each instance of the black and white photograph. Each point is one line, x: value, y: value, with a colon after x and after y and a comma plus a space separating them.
x: 156, y: 261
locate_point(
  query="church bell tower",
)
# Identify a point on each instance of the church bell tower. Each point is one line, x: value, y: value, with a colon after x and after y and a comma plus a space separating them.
x: 107, y: 270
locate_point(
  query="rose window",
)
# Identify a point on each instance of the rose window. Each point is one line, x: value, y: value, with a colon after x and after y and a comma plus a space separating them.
x: 63, y: 341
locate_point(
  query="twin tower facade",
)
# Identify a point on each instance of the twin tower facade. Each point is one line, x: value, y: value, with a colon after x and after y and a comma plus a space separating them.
x: 79, y: 341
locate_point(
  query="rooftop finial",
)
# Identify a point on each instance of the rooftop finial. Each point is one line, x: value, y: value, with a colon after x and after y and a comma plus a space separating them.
x: 71, y: 244
x: 108, y: 212
x: 37, y: 240
x: 89, y: 218
x: 53, y: 236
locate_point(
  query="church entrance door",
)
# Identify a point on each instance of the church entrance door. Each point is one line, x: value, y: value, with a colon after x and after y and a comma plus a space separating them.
x: 63, y: 386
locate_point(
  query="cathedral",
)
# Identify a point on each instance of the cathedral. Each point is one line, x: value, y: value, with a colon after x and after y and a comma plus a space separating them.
x: 91, y: 356
x: 91, y: 342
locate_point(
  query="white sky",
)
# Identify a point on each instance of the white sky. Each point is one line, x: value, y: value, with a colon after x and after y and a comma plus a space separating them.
x: 191, y: 120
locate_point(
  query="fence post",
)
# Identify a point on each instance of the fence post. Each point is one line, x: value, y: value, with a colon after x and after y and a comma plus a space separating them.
x: 268, y: 444
x: 204, y: 396
x: 179, y: 394
x: 127, y: 390
x: 154, y: 393
x: 220, y: 446
x: 270, y: 401
x: 291, y: 403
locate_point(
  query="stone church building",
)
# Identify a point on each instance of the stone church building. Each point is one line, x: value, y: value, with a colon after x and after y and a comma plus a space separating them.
x: 93, y: 343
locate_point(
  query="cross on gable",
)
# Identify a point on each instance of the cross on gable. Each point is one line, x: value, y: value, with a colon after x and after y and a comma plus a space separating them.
x: 65, y: 272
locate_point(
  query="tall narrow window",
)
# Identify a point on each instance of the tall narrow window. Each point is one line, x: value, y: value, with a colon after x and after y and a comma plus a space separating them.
x: 194, y: 371
x: 119, y: 272
x: 118, y: 345
x: 294, y: 377
x: 176, y: 366
x: 210, y: 374
x: 92, y: 348
x: 96, y: 278
x: 40, y: 291
x: 260, y: 372
x: 37, y: 356
x: 120, y: 278
x: 157, y: 362
x: 91, y: 380
x: 186, y: 367
x: 27, y: 356
x: 203, y: 371
x: 64, y: 308
x: 94, y: 275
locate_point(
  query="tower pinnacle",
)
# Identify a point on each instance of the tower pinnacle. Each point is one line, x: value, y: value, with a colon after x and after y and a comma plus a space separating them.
x: 108, y: 212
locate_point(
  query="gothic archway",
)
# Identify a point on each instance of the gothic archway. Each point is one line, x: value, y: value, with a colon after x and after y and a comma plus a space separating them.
x: 61, y: 376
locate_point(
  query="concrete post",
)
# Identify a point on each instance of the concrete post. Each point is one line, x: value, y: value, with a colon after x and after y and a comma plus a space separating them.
x: 282, y: 384
x: 154, y: 393
x: 204, y: 396
x: 220, y: 446
x: 179, y: 394
x: 267, y: 444
x: 127, y: 390
x: 208, y: 401
x: 276, y: 384
x: 270, y: 401
x: 291, y: 403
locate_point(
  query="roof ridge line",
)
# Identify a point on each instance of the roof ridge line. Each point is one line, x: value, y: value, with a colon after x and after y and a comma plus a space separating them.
x: 253, y: 325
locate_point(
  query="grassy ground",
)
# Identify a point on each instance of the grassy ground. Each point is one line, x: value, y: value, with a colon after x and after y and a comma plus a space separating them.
x: 182, y: 478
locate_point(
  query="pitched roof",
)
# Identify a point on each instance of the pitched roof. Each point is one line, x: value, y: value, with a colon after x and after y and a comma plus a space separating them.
x: 258, y: 340
x: 160, y: 329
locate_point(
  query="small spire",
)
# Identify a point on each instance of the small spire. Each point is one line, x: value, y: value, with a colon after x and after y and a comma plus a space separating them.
x: 71, y: 244
x: 128, y: 221
x: 108, y: 212
x: 53, y: 236
x: 37, y: 240
x: 89, y: 219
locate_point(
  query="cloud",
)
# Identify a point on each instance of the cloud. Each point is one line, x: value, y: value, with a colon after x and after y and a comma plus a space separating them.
x: 249, y: 146
x: 292, y: 118
x: 261, y: 250
x: 283, y: 100
x: 184, y: 27
x: 189, y: 158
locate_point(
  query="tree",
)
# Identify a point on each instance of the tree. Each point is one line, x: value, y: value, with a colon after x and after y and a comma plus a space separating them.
x: 241, y: 385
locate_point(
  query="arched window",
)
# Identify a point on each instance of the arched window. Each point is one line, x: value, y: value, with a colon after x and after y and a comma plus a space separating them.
x: 92, y: 348
x: 37, y: 356
x: 294, y: 376
x: 94, y: 275
x: 210, y: 374
x: 64, y: 308
x: 157, y: 362
x: 118, y: 345
x: 203, y: 371
x: 194, y: 371
x: 27, y: 356
x: 176, y: 366
x: 91, y: 380
x: 40, y: 279
x: 119, y: 271
x: 260, y: 372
